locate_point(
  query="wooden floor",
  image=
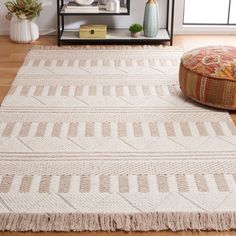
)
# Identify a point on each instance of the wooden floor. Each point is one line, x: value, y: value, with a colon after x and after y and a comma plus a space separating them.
x: 11, y: 58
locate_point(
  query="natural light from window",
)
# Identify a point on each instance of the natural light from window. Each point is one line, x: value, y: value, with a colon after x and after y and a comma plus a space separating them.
x: 232, y: 19
x: 209, y: 12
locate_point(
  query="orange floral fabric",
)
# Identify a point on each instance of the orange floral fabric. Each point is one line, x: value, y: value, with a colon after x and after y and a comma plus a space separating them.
x: 216, y: 62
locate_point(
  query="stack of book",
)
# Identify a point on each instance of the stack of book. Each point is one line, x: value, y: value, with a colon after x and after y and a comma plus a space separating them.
x: 73, y: 7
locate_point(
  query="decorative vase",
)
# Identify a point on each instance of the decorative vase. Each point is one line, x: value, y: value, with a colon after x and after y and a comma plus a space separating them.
x: 150, y: 23
x: 23, y: 31
x: 113, y: 5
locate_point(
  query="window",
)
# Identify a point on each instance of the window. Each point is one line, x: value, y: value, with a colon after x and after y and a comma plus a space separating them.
x: 232, y: 17
x: 205, y: 17
x: 209, y: 12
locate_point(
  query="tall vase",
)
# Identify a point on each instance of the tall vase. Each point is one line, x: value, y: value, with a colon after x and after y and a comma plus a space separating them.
x: 151, y: 19
x: 23, y: 31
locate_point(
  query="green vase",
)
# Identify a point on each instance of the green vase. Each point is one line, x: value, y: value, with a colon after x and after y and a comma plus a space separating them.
x: 150, y: 23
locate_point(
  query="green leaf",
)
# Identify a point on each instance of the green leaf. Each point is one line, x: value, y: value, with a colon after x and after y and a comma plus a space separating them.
x: 23, y: 9
x: 135, y: 28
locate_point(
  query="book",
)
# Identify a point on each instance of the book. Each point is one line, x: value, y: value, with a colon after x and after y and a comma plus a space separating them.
x: 73, y: 7
x: 65, y: 10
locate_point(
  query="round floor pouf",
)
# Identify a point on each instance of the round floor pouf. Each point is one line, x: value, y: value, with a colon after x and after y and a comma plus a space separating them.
x: 208, y: 75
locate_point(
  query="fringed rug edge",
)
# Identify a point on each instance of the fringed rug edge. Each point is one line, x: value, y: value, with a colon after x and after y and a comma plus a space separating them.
x: 223, y: 221
x: 106, y: 47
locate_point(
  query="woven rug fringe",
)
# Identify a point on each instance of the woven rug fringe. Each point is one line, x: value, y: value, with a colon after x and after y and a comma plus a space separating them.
x: 105, y: 47
x: 112, y: 222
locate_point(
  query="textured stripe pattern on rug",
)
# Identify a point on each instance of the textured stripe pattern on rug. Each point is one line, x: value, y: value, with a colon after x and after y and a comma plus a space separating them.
x: 102, y: 139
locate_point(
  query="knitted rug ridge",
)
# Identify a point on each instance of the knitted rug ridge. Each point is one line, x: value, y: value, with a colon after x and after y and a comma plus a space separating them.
x: 104, y: 140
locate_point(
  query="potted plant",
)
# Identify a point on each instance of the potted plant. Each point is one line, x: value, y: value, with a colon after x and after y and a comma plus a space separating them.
x: 21, y: 14
x: 135, y: 30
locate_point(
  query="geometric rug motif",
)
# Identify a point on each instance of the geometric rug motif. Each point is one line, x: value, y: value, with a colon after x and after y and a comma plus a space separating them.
x: 103, y: 139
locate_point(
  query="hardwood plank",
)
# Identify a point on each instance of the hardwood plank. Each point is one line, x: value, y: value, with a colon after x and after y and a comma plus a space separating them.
x: 233, y: 116
x: 193, y: 41
x: 3, y: 92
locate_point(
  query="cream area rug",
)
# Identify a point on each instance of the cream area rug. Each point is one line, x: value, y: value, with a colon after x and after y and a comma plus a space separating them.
x: 103, y: 139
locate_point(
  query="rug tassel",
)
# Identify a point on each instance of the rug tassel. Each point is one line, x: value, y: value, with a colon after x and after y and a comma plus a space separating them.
x: 111, y: 222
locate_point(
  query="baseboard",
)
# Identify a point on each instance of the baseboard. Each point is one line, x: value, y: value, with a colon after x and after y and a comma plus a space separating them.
x: 4, y: 32
x: 205, y: 30
x: 51, y: 31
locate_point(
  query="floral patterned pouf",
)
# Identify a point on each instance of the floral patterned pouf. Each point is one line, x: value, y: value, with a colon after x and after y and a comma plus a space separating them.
x: 208, y: 75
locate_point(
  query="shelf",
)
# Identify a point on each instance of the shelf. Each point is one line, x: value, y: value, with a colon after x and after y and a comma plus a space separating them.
x: 123, y: 11
x: 115, y: 35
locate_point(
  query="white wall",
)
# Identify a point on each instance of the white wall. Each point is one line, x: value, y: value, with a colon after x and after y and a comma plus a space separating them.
x: 47, y: 20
